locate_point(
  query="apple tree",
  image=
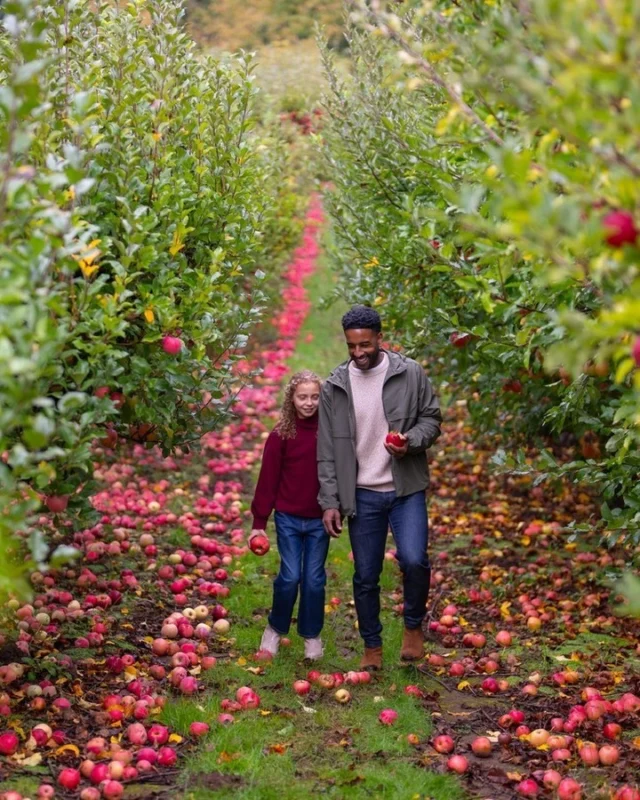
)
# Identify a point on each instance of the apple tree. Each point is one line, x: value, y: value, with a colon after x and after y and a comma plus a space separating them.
x: 485, y: 161
x: 141, y: 208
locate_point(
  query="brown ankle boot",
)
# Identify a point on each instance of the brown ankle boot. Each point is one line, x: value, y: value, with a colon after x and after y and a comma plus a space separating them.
x: 412, y: 644
x: 372, y: 658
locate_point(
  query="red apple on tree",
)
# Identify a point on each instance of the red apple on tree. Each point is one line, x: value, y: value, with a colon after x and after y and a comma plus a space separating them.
x: 56, y: 503
x: 620, y: 228
x: 460, y: 340
x: 635, y: 351
x: 171, y: 345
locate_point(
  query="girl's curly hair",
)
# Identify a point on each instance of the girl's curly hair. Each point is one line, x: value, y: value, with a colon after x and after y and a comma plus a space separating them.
x: 286, y: 425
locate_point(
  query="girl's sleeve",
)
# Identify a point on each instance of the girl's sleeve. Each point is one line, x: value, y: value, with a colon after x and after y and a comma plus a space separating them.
x: 264, y: 498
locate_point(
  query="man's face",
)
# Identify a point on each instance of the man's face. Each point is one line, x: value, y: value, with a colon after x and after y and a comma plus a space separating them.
x: 364, y: 347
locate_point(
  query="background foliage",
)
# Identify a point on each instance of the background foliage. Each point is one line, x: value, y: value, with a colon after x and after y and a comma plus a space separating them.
x: 475, y: 152
x: 140, y: 197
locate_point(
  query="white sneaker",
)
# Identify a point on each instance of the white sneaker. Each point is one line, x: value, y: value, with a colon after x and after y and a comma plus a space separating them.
x: 313, y: 649
x: 270, y: 640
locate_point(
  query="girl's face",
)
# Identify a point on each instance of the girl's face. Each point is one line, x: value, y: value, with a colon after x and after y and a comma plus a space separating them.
x: 305, y: 399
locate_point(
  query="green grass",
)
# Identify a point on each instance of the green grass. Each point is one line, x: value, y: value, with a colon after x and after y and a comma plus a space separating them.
x: 321, y: 345
x: 293, y: 747
x: 340, y: 749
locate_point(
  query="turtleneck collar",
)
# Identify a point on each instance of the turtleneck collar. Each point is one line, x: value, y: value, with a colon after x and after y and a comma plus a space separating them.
x: 309, y: 422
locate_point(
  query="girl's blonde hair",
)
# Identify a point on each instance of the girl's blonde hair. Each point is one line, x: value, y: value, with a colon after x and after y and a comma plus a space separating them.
x: 286, y: 424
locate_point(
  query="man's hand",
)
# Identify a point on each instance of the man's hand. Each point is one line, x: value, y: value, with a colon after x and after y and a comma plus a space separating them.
x: 256, y: 532
x: 395, y: 451
x: 332, y: 522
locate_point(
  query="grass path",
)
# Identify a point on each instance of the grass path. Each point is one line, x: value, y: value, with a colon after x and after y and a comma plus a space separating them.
x: 296, y: 749
x: 501, y: 555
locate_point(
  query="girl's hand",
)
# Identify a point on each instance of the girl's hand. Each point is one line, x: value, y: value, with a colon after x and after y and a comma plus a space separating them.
x: 258, y: 542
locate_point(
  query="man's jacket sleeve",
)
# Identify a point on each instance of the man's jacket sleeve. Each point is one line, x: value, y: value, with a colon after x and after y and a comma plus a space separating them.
x: 328, y: 496
x: 427, y: 428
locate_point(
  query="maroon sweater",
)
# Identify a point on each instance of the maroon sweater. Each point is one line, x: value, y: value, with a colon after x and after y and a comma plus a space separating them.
x: 288, y: 479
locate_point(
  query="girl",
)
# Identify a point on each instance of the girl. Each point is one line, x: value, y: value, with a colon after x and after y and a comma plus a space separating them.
x: 288, y: 483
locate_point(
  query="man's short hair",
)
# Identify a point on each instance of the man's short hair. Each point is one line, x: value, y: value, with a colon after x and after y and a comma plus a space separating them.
x: 362, y: 317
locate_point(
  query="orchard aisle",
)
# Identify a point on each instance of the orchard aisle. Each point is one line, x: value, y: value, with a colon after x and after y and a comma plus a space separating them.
x: 158, y: 626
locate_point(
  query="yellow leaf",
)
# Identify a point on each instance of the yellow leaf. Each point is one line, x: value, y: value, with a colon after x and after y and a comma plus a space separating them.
x: 148, y: 315
x: 463, y: 622
x: 148, y: 639
x: 504, y: 609
x: 15, y: 726
x: 177, y: 244
x: 514, y: 776
x: 279, y: 749
x: 636, y: 742
x: 131, y: 672
x: 156, y: 136
x: 67, y: 748
x: 175, y: 738
x: 241, y: 661
x: 88, y: 269
x: 226, y: 757
x: 463, y: 685
x: 32, y: 760
x: 373, y: 263
x: 264, y: 713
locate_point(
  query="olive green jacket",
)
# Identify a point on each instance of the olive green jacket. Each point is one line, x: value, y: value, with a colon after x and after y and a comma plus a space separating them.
x: 410, y: 406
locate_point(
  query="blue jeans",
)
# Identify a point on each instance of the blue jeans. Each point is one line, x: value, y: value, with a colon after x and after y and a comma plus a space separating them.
x: 407, y: 517
x: 303, y: 545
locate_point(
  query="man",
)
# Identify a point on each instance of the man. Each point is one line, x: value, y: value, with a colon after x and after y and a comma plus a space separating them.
x: 375, y: 484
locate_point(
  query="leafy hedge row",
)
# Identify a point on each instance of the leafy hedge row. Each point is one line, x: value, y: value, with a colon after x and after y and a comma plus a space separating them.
x: 140, y: 200
x: 486, y: 167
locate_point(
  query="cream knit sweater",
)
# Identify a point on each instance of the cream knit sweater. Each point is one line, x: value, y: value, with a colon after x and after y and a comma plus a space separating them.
x: 374, y: 463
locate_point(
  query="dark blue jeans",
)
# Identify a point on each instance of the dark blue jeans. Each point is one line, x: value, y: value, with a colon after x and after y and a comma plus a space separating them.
x: 407, y: 517
x: 303, y: 544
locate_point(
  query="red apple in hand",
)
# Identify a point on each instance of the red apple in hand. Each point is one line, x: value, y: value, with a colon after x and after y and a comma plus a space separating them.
x: 259, y: 544
x: 396, y: 439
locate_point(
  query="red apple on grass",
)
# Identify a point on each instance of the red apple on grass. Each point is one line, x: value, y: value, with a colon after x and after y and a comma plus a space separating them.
x: 458, y: 764
x: 443, y: 744
x: 388, y: 716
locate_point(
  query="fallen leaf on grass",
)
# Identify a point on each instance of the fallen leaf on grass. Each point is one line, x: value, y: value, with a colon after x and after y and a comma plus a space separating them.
x: 279, y: 749
x: 225, y: 758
